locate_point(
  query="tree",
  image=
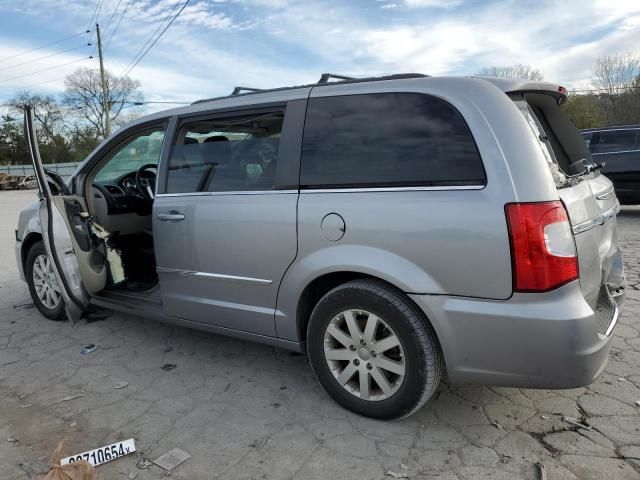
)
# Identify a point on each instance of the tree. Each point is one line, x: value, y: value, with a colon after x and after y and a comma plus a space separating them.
x: 50, y: 128
x: 615, y: 74
x: 13, y: 149
x: 83, y: 96
x: 513, y: 71
x: 585, y: 110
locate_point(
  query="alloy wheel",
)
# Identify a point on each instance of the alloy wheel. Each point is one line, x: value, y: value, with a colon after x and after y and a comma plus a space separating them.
x: 364, y: 355
x: 45, y: 282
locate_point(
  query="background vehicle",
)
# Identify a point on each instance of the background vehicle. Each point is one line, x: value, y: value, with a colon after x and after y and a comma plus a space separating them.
x: 10, y: 182
x: 618, y: 148
x: 389, y: 227
x: 28, y: 182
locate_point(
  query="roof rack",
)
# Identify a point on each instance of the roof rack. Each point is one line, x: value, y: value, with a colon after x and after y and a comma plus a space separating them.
x: 239, y: 90
x: 325, y: 77
x: 324, y: 81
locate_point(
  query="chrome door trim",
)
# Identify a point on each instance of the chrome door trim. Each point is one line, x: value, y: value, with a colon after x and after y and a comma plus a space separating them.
x: 237, y: 192
x: 392, y: 189
x: 215, y: 276
x: 596, y: 221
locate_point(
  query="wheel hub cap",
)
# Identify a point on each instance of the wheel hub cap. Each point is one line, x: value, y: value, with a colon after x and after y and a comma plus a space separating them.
x: 364, y: 354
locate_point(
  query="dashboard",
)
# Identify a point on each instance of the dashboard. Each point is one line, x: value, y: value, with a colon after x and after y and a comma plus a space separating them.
x: 124, y: 196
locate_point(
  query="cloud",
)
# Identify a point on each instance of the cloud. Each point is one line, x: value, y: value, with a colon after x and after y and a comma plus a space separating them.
x: 215, y: 45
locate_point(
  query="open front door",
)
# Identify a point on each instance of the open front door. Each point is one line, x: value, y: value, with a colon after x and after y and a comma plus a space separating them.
x: 66, y: 234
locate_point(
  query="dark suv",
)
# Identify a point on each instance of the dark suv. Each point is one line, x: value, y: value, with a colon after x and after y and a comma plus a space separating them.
x: 619, y: 148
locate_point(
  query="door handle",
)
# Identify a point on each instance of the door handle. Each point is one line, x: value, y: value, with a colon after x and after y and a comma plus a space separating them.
x: 170, y: 217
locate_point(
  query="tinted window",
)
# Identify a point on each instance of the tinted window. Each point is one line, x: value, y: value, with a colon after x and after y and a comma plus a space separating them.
x: 389, y: 139
x: 140, y: 150
x: 222, y: 155
x: 609, y: 141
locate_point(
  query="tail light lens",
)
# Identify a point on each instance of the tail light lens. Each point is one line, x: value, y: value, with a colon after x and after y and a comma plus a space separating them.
x: 542, y: 246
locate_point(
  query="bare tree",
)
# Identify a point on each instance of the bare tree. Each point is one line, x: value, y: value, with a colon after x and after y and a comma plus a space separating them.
x: 616, y: 73
x: 47, y: 113
x: 512, y: 71
x: 83, y: 95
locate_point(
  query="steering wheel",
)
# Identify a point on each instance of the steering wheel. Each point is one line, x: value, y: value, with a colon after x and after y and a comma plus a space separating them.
x: 147, y: 183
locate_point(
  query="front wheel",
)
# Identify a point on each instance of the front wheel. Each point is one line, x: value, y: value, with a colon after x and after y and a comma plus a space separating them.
x: 373, y: 350
x: 43, y: 285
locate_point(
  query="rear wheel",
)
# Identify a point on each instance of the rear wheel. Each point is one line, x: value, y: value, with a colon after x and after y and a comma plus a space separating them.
x: 372, y: 350
x: 43, y: 285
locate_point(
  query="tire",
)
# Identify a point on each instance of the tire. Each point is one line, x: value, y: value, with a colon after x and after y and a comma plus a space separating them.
x: 55, y: 311
x: 416, y: 361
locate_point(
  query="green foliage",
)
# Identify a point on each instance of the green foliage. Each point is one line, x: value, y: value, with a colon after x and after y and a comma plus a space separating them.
x: 585, y: 110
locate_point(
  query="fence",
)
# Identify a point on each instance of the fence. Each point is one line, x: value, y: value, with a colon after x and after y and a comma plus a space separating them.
x: 63, y: 169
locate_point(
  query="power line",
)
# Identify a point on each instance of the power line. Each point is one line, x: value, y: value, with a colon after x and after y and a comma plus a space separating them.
x: 93, y: 15
x: 157, y: 38
x: 113, y: 33
x: 46, y: 56
x: 44, y: 46
x: 153, y: 34
x: 44, y: 69
x: 112, y: 15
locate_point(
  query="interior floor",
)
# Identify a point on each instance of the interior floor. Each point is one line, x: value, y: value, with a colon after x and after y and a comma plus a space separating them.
x: 138, y: 261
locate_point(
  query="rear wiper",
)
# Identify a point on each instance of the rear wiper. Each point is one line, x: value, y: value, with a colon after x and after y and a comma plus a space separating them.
x: 583, y: 167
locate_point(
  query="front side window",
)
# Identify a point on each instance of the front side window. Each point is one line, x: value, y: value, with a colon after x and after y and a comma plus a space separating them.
x: 225, y: 155
x: 142, y: 149
x: 388, y: 139
x: 612, y: 141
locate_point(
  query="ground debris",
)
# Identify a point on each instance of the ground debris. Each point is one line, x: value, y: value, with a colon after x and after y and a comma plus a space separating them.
x: 168, y: 366
x: 69, y: 398
x: 143, y: 464
x: 574, y: 421
x: 88, y: 349
x: 12, y: 439
x: 542, y: 474
x: 172, y: 459
x: 121, y: 385
x: 396, y: 474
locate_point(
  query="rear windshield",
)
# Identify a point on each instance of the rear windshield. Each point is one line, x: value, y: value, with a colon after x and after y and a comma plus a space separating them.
x: 564, y: 148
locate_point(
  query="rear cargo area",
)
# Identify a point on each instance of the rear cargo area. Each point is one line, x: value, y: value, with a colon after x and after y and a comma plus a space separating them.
x: 589, y: 199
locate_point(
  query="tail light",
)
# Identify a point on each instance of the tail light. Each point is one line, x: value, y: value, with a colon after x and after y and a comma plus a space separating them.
x: 543, y: 251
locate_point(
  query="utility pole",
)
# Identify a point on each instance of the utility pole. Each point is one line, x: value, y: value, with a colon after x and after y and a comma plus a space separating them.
x: 105, y: 92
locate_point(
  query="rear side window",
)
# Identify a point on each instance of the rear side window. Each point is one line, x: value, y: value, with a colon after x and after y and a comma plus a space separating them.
x: 387, y: 139
x: 226, y: 154
x: 611, y: 141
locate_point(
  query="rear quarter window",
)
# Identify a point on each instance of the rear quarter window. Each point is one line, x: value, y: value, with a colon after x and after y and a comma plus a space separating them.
x: 386, y: 140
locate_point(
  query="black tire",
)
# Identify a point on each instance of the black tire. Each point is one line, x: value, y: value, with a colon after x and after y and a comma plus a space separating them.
x: 57, y: 313
x: 422, y: 356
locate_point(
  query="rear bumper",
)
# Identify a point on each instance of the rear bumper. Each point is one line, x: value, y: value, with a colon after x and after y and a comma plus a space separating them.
x: 547, y: 340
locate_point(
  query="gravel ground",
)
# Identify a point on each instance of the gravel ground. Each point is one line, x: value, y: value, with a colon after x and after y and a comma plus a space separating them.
x: 244, y: 410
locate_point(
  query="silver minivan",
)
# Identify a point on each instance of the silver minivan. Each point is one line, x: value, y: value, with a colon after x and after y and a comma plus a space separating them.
x: 393, y: 228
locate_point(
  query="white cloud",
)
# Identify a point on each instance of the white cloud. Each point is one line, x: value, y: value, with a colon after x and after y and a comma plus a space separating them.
x: 215, y: 45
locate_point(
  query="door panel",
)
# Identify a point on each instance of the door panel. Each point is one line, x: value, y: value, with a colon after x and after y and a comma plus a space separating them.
x: 221, y: 256
x: 58, y: 240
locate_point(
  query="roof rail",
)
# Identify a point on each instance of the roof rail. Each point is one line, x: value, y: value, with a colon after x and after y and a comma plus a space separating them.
x: 323, y: 82
x: 325, y: 77
x: 238, y: 90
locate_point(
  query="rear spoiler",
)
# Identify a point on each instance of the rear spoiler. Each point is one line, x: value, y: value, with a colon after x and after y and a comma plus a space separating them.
x: 513, y: 85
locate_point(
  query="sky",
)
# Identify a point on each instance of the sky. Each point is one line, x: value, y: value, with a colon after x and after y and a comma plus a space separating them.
x: 215, y: 45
